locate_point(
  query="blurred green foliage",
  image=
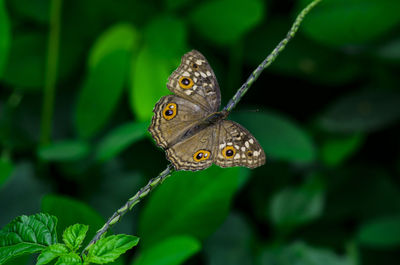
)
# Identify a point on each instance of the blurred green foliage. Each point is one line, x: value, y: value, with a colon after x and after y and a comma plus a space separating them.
x: 326, y: 113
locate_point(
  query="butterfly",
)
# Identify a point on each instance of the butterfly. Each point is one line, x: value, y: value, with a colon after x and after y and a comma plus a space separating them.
x: 190, y: 128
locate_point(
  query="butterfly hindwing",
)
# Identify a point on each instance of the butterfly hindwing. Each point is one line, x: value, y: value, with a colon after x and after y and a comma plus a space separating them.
x: 198, y: 150
x: 236, y: 146
x: 195, y: 80
x: 173, y: 116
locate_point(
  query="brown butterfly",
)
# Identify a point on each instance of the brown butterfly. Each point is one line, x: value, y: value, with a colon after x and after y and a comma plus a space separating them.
x: 190, y: 128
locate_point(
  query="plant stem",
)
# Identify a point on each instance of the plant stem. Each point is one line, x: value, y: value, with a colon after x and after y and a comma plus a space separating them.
x: 143, y: 192
x: 270, y: 58
x: 51, y: 71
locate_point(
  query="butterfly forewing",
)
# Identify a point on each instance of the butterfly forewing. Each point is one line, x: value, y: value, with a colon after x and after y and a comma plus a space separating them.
x: 195, y: 80
x: 173, y: 116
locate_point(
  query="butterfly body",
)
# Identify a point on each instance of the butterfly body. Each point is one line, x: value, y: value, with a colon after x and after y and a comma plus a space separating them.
x: 190, y: 128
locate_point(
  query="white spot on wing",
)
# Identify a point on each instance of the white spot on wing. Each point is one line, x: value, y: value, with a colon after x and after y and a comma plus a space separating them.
x: 203, y: 74
x: 186, y: 73
x: 247, y: 144
x: 251, y: 141
x: 208, y: 73
x: 237, y: 156
x: 196, y: 73
x: 199, y: 62
x: 243, y: 149
x: 221, y: 146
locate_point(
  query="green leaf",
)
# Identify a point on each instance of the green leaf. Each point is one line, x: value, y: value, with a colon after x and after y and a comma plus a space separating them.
x: 37, y: 10
x: 51, y: 252
x: 144, y: 94
x: 303, y: 58
x: 74, y: 235
x: 5, y: 36
x: 25, y: 67
x: 64, y: 151
x: 362, y: 111
x: 119, y: 139
x: 283, y: 139
x: 176, y: 4
x: 231, y: 243
x: 293, y: 207
x: 301, y: 254
x: 6, y: 169
x: 69, y: 259
x: 381, y: 233
x: 226, y: 21
x: 337, y: 149
x: 165, y: 43
x: 27, y: 235
x: 101, y: 92
x: 110, y: 248
x: 122, y: 37
x: 343, y: 22
x: 166, y: 37
x: 197, y: 202
x: 70, y: 211
x: 171, y: 251
x: 389, y: 51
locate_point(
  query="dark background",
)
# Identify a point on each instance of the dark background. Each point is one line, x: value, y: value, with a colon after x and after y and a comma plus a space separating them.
x: 326, y: 113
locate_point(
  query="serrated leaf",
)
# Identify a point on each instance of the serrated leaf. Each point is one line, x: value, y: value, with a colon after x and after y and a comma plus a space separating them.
x: 109, y: 248
x: 293, y: 207
x: 64, y: 151
x: 27, y: 235
x: 363, y: 111
x: 197, y: 202
x: 51, y: 252
x: 74, y: 235
x: 342, y: 22
x: 226, y: 21
x: 119, y: 139
x: 6, y: 169
x: 172, y: 251
x: 101, y: 90
x: 70, y: 211
x: 118, y: 37
x: 283, y: 140
x: 5, y: 36
x: 69, y: 259
x: 381, y: 232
